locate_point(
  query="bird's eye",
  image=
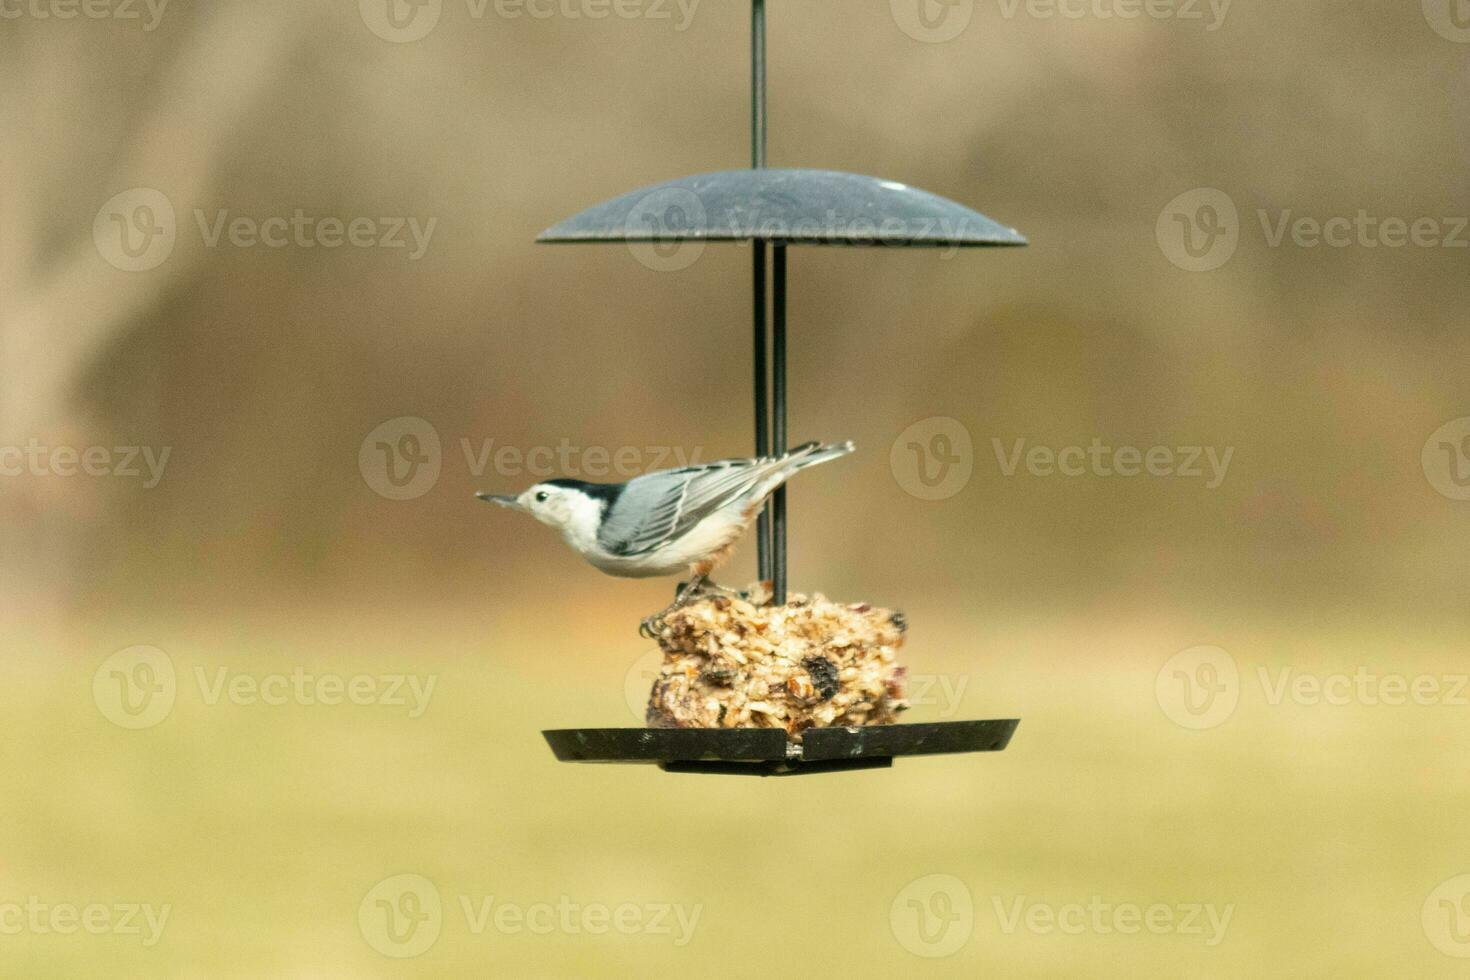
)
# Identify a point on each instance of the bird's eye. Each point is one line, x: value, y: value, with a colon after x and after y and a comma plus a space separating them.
x: 541, y: 497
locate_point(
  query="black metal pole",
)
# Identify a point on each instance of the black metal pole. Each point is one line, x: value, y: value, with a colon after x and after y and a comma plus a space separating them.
x: 764, y: 529
x: 778, y: 421
x: 762, y: 402
x: 757, y: 83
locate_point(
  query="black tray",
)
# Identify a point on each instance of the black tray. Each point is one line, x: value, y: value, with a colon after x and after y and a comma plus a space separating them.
x: 766, y: 751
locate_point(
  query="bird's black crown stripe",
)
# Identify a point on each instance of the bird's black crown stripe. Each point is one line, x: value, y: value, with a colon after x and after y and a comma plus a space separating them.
x: 608, y: 493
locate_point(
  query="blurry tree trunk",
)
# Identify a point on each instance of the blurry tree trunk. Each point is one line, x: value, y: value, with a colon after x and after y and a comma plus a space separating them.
x: 57, y: 318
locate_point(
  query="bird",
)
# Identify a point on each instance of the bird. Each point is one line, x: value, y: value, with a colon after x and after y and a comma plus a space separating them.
x: 667, y: 521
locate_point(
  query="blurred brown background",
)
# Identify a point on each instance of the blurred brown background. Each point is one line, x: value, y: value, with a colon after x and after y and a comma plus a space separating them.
x: 1331, y: 543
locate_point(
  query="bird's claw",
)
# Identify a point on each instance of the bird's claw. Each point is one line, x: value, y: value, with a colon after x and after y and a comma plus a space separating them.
x: 652, y: 626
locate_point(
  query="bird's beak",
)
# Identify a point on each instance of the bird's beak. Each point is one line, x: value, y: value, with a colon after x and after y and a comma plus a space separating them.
x: 500, y: 499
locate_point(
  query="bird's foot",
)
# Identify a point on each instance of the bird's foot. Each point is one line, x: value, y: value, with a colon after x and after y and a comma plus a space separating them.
x: 694, y: 589
x: 700, y: 587
x: 652, y: 626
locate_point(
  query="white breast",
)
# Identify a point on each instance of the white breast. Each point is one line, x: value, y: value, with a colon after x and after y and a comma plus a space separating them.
x: 709, y: 536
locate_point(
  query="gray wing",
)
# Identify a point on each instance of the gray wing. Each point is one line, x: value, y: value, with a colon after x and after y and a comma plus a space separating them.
x: 659, y: 507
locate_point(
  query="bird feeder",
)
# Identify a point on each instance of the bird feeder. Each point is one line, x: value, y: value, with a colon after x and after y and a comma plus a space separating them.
x: 774, y: 209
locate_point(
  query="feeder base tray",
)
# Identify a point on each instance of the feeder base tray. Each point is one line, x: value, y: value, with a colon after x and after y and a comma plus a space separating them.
x: 766, y: 751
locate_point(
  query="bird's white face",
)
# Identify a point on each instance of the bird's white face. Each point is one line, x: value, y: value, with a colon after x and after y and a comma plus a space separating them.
x: 549, y: 505
x: 567, y: 509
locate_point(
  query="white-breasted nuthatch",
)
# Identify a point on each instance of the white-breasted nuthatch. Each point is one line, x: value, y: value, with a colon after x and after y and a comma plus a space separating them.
x: 668, y: 521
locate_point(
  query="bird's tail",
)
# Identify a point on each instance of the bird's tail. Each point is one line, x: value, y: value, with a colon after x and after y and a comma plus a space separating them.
x: 775, y: 470
x: 812, y: 453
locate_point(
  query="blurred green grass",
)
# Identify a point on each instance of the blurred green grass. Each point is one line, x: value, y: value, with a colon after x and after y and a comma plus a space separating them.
x: 264, y: 827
